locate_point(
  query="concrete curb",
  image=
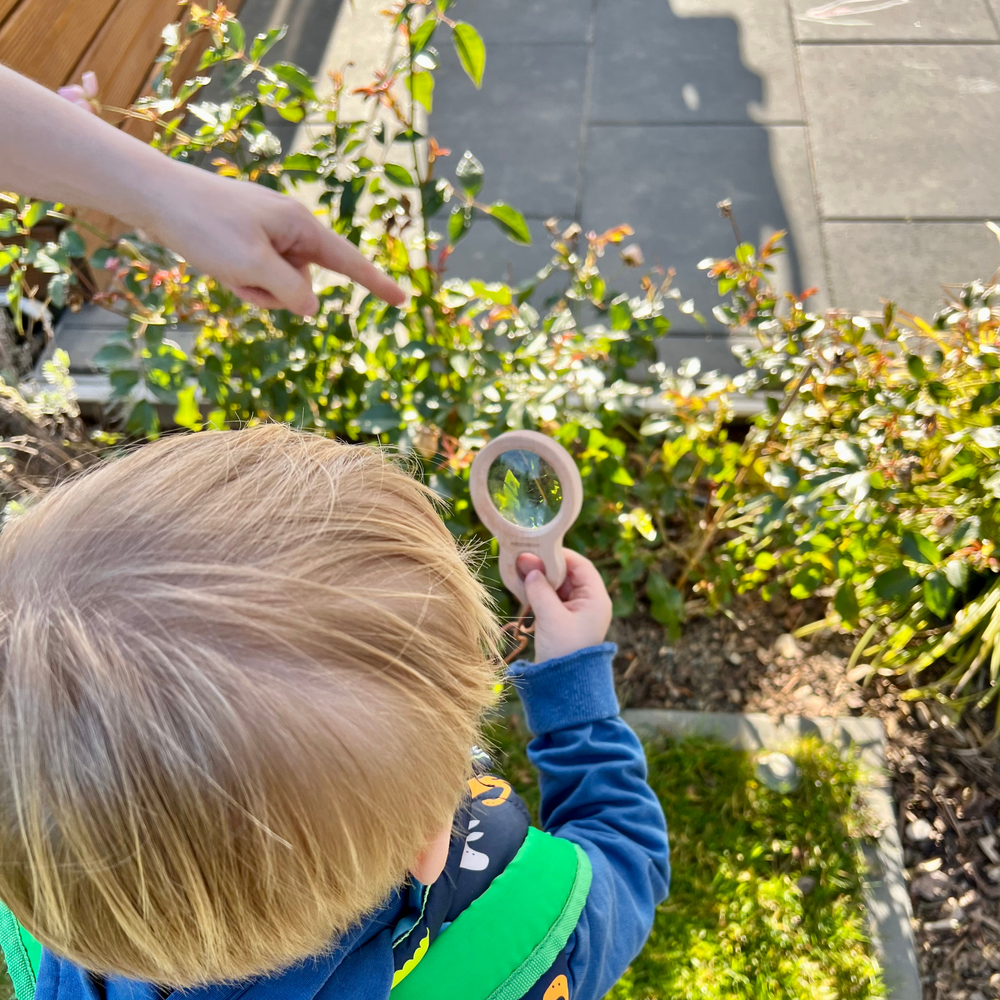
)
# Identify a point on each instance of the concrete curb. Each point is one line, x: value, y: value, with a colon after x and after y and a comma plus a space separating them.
x: 888, y: 900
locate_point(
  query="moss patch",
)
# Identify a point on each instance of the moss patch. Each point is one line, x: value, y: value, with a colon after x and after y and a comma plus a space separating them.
x: 766, y: 900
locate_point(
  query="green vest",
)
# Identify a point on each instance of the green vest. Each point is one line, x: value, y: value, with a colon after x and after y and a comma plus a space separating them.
x: 495, y: 949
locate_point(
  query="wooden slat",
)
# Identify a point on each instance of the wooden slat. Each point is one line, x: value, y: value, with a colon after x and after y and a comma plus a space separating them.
x: 43, y: 39
x: 125, y: 48
x: 6, y: 6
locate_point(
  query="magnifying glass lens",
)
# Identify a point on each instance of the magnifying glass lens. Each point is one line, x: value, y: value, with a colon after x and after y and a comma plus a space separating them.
x: 524, y: 488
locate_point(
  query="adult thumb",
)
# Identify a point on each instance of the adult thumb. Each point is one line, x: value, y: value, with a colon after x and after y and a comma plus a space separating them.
x: 542, y: 599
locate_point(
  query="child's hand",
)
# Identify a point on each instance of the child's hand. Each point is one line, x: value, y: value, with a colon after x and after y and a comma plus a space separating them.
x: 576, y: 617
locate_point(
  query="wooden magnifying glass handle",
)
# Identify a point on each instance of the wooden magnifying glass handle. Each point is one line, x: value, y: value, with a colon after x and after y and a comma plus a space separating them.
x: 553, y: 560
x: 514, y: 539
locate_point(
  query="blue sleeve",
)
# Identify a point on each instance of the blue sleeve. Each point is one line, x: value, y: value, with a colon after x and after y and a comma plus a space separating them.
x: 592, y: 777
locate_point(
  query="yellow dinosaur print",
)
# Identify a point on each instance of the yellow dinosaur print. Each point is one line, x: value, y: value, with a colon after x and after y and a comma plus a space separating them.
x: 412, y: 963
x: 487, y: 782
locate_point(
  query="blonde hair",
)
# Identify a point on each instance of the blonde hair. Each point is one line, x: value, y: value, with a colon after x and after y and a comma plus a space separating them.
x: 240, y: 677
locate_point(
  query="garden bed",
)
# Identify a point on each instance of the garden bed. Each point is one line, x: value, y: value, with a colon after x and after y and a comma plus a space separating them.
x: 769, y: 892
x: 946, y: 775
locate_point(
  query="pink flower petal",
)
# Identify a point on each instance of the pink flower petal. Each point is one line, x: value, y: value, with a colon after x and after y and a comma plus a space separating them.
x: 90, y: 85
x: 74, y: 92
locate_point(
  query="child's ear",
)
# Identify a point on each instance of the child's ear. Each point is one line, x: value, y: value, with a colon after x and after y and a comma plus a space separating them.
x: 430, y: 862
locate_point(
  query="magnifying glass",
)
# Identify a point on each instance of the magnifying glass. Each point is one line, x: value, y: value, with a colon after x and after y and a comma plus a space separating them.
x: 527, y: 490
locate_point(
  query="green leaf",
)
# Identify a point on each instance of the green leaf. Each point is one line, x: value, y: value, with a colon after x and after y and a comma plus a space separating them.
x: 112, y: 355
x: 846, y: 603
x: 295, y: 78
x: 235, y: 35
x: 849, y: 453
x: 745, y: 252
x: 71, y: 241
x: 422, y: 36
x: 968, y: 531
x: 303, y: 161
x: 764, y: 561
x: 807, y: 581
x: 895, y: 583
x: 143, y: 419
x: 621, y: 313
x: 459, y: 223
x: 432, y: 195
x: 917, y: 368
x: 187, y: 413
x: 939, y: 594
x: 58, y: 287
x: 34, y: 213
x: 469, y: 173
x: 471, y: 51
x: 957, y: 572
x: 398, y: 175
x: 920, y: 549
x: 123, y: 382
x: 666, y: 602
x: 8, y: 255
x: 262, y: 43
x: 621, y: 477
x: 421, y: 86
x: 511, y: 222
x: 986, y: 396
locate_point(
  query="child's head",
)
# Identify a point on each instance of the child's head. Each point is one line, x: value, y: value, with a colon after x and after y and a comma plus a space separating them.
x: 240, y: 676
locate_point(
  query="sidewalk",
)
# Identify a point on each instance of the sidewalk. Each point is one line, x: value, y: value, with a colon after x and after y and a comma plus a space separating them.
x: 874, y: 138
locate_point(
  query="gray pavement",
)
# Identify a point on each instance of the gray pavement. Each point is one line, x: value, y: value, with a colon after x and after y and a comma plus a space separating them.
x: 873, y: 137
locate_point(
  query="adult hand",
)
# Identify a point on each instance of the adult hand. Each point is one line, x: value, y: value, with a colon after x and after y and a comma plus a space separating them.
x: 258, y: 242
x: 577, y: 616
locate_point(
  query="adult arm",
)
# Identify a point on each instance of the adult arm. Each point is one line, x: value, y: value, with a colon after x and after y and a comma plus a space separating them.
x: 255, y: 240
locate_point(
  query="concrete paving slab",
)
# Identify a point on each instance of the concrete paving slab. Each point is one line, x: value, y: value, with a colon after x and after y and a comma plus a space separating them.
x: 793, y: 175
x: 766, y: 47
x: 995, y: 7
x: 524, y: 125
x: 916, y: 20
x: 309, y: 24
x: 651, y: 66
x: 886, y: 896
x: 908, y: 131
x: 909, y: 261
x: 531, y: 21
x: 666, y: 182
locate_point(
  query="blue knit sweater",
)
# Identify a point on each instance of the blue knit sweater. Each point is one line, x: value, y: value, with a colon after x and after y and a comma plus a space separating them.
x: 593, y: 791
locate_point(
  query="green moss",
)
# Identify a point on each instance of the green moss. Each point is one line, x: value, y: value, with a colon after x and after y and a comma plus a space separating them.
x: 736, y: 923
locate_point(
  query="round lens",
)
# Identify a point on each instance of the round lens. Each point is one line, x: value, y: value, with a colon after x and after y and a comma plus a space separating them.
x: 524, y: 488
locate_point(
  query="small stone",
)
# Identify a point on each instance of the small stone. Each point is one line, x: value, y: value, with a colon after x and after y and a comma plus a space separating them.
x: 778, y: 772
x: 786, y: 646
x: 933, y: 887
x: 735, y: 696
x: 993, y: 873
x: 806, y: 884
x: 814, y: 705
x: 988, y: 845
x: 930, y: 865
x: 735, y: 659
x: 764, y: 656
x: 663, y: 651
x: 995, y: 981
x: 919, y: 831
x: 978, y: 995
x: 803, y: 692
x: 855, y: 700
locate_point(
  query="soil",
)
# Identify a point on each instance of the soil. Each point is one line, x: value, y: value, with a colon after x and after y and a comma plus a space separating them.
x: 946, y: 776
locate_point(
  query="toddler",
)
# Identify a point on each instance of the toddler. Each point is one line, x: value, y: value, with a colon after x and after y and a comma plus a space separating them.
x: 240, y: 677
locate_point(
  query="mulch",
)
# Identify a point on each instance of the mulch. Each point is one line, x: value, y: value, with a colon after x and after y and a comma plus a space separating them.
x: 945, y: 773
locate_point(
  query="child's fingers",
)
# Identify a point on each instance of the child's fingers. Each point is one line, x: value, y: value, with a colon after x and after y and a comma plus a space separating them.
x: 528, y: 561
x: 542, y: 599
x: 583, y: 573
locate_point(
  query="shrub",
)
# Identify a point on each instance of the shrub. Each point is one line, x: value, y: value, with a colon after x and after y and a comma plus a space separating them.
x: 870, y: 479
x: 464, y: 360
x: 877, y: 483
